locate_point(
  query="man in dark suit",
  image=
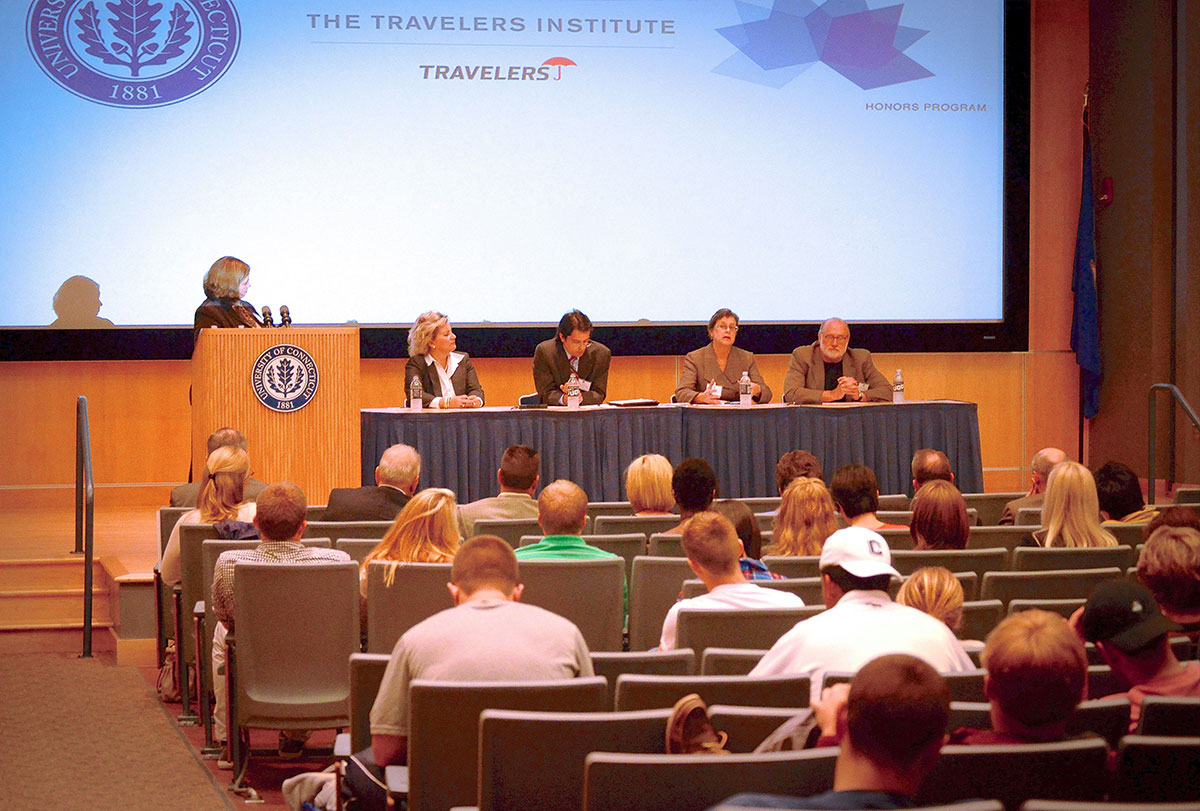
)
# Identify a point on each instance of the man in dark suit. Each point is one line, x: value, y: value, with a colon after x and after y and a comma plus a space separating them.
x: 185, y: 494
x: 829, y: 371
x: 396, y: 479
x: 572, y: 349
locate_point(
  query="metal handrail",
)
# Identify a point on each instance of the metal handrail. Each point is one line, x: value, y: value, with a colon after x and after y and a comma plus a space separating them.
x: 1191, y: 415
x: 85, y: 514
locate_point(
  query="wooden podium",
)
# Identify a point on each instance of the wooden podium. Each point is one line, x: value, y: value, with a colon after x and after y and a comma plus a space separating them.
x: 310, y: 432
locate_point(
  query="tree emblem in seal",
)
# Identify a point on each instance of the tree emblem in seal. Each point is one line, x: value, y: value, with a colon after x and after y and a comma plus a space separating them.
x: 133, y: 53
x: 284, y: 378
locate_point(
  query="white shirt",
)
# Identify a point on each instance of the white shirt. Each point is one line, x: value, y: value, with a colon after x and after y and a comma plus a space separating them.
x: 444, y: 376
x: 862, y: 626
x: 728, y: 595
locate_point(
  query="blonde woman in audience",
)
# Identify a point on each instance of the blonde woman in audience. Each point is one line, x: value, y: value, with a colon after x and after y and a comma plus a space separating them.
x: 939, y: 518
x: 805, y: 519
x: 934, y: 590
x: 648, y: 485
x: 221, y: 498
x: 1071, y: 511
x: 425, y: 531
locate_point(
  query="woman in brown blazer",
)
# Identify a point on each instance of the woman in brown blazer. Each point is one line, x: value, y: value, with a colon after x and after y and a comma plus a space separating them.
x: 711, y: 373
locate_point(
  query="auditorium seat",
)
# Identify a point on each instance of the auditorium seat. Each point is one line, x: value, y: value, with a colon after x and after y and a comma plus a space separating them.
x: 1028, y: 517
x: 663, y: 545
x: 986, y: 537
x: 635, y: 692
x: 590, y: 593
x: 612, y: 664
x: 1108, y: 718
x: 1169, y: 716
x: 510, y: 530
x: 655, y: 585
x: 897, y: 538
x: 893, y: 502
x: 1103, y: 682
x: 289, y: 664
x: 758, y: 628
x: 336, y: 530
x: 1064, y: 607
x: 794, y: 566
x: 979, y: 618
x: 979, y: 561
x: 627, y: 782
x: 990, y: 506
x: 357, y: 548
x: 444, y: 723
x: 1057, y: 585
x: 1128, y: 534
x: 366, y: 674
x: 729, y: 661
x: 766, y: 504
x: 807, y: 589
x: 765, y: 520
x: 531, y: 759
x: 1037, y: 559
x: 966, y: 686
x: 625, y: 524
x: 1152, y: 768
x: 418, y: 591
x: 595, y: 508
x: 1013, y: 773
x: 747, y: 727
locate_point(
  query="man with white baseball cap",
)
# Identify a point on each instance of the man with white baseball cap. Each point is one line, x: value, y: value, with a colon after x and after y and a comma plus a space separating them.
x: 861, y: 621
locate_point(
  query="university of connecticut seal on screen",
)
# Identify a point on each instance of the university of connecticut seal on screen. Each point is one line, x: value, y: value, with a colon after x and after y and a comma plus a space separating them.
x: 284, y: 378
x: 133, y: 53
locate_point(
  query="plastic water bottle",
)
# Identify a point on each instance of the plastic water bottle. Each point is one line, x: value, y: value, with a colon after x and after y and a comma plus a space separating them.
x: 898, y: 388
x: 415, y: 393
x: 573, y: 396
x: 744, y: 385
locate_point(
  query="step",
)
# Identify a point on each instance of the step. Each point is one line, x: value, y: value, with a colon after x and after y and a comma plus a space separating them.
x: 51, y: 608
x: 50, y: 573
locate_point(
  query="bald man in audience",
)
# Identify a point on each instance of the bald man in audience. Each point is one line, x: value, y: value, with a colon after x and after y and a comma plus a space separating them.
x: 714, y: 554
x: 930, y: 465
x: 396, y: 478
x: 185, y: 494
x: 562, y: 515
x: 1039, y: 473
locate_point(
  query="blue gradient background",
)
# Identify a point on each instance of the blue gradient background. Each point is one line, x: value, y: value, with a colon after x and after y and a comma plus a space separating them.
x: 642, y: 186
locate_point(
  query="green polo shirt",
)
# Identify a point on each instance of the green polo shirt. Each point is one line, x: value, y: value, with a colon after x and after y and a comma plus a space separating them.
x: 561, y: 547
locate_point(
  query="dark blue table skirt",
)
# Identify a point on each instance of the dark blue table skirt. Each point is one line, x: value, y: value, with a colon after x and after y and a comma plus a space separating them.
x: 461, y: 449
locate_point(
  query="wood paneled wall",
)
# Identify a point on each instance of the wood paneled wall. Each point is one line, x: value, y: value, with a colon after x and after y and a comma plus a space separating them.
x: 141, y: 414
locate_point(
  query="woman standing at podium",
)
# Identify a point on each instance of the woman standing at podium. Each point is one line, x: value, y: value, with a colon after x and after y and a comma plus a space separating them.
x: 447, y: 377
x: 224, y: 285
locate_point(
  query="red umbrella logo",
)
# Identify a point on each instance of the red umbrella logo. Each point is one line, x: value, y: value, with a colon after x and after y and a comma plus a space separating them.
x: 558, y: 61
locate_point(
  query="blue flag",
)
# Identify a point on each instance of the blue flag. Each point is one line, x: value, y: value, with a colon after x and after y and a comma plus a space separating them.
x: 1085, y: 323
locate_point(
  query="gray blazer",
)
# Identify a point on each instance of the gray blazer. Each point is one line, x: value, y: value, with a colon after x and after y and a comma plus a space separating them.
x: 700, y: 366
x: 805, y: 378
x: 507, y: 505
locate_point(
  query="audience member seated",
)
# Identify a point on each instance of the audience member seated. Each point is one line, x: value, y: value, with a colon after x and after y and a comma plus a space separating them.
x: 396, y: 479
x: 796, y: 465
x: 713, y: 551
x: 1170, y: 567
x: 939, y: 518
x: 890, y: 723
x: 518, y: 477
x: 694, y: 485
x: 562, y: 515
x: 1123, y: 619
x: 221, y: 498
x: 487, y: 636
x: 1036, y: 676
x: 648, y: 485
x: 1071, y: 513
x: 425, y: 531
x: 1039, y: 472
x: 929, y: 465
x: 280, y: 522
x: 934, y: 590
x: 185, y: 494
x: 805, y: 519
x: 1120, y: 495
x: 1177, y: 516
x: 746, y: 527
x: 856, y: 493
x: 861, y: 622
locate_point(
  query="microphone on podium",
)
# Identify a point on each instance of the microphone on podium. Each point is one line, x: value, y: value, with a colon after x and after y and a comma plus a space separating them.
x: 266, y: 317
x: 285, y: 316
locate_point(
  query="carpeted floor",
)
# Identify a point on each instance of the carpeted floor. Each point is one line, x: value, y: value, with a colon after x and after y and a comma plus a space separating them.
x: 81, y: 734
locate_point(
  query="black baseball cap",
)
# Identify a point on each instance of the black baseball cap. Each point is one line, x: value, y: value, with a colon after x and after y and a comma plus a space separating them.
x: 1124, y: 614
